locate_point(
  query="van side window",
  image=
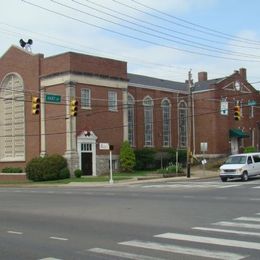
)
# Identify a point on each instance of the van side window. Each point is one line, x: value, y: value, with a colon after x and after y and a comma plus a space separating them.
x: 249, y: 160
x: 256, y: 158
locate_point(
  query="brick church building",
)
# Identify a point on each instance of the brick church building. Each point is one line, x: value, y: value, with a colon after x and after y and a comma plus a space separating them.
x: 113, y: 106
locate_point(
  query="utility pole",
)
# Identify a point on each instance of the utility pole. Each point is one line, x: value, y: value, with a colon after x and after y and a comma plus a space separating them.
x: 189, y: 115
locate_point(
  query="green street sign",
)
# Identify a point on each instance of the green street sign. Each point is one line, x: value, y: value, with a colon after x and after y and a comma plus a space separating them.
x: 52, y: 98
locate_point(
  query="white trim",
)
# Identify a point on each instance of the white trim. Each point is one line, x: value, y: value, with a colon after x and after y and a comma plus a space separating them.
x: 82, y: 79
x: 91, y: 139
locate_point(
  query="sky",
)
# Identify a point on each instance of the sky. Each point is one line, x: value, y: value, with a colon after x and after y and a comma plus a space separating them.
x: 163, y: 39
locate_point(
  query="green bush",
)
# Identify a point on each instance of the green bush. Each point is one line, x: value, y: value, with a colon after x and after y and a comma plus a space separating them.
x: 171, y: 169
x: 12, y: 170
x: 78, y: 173
x: 46, y: 168
x: 64, y: 173
x: 126, y: 157
x: 249, y: 149
x: 145, y: 159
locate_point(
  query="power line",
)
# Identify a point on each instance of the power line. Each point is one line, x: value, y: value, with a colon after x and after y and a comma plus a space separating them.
x: 159, y: 26
x: 137, y: 38
x: 183, y: 41
x: 215, y: 32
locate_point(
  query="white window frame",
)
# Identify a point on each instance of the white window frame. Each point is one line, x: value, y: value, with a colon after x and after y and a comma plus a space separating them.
x: 131, y: 119
x: 112, y: 101
x: 148, y: 121
x: 12, y: 121
x: 182, y: 123
x: 85, y: 98
x: 166, y: 122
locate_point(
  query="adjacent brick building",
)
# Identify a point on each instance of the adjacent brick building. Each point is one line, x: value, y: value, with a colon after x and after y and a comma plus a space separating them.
x: 115, y: 106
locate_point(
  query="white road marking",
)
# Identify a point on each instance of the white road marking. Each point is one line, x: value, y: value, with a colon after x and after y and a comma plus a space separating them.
x: 122, y: 254
x: 210, y: 240
x: 59, y: 238
x: 248, y: 219
x: 50, y: 258
x: 228, y: 231
x: 234, y: 224
x: 229, y: 185
x: 183, y: 250
x: 14, y: 232
x: 256, y: 187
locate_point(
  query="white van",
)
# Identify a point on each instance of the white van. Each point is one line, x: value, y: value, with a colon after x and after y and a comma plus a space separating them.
x: 240, y: 166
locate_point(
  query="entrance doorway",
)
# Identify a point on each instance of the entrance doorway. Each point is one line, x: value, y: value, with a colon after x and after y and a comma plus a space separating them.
x: 86, y: 145
x: 86, y: 163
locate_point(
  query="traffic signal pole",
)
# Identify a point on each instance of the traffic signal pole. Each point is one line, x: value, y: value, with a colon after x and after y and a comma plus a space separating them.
x: 189, y: 116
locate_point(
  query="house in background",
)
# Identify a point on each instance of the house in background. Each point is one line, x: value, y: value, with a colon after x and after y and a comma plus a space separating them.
x: 113, y: 106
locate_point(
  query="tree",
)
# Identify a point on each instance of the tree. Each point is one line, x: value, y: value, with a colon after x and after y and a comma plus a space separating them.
x: 126, y: 157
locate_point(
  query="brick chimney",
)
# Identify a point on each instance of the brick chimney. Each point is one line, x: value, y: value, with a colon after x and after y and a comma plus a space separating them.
x: 202, y: 76
x: 242, y: 72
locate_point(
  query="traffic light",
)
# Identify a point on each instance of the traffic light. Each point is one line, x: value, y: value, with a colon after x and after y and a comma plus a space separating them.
x: 237, y: 113
x: 73, y: 107
x: 35, y: 105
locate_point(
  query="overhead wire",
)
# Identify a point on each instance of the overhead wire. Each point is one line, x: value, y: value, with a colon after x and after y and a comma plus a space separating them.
x: 162, y: 27
x: 209, y: 31
x: 189, y: 43
x: 138, y: 38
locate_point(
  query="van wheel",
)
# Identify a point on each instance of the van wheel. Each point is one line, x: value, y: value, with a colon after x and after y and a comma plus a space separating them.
x: 224, y: 179
x: 244, y: 176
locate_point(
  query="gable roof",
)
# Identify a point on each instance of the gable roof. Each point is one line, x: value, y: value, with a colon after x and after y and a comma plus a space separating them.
x: 145, y: 81
x: 206, y: 84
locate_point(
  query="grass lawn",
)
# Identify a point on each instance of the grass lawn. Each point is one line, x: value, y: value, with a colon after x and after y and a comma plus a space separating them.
x: 104, y: 178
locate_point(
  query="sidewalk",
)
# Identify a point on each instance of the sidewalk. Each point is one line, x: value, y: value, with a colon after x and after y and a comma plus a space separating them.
x: 196, y: 174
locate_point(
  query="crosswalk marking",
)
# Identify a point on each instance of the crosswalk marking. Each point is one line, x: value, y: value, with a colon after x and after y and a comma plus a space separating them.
x: 192, y: 185
x: 123, y: 254
x: 183, y: 250
x: 236, y: 224
x: 248, y: 219
x: 228, y: 231
x: 210, y: 240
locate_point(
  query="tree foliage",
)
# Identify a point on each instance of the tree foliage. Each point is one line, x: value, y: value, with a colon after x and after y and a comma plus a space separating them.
x: 127, y: 157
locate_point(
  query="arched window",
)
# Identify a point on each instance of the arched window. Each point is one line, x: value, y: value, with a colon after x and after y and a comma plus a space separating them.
x: 148, y: 121
x: 12, y: 121
x: 183, y: 117
x: 166, y: 122
x: 131, y: 119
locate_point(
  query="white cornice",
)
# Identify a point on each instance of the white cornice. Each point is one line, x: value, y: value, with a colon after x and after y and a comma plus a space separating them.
x: 82, y: 79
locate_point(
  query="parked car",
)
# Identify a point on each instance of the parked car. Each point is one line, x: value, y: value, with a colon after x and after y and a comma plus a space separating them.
x: 240, y: 166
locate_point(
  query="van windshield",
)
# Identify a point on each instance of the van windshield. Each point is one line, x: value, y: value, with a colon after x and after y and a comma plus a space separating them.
x: 236, y: 160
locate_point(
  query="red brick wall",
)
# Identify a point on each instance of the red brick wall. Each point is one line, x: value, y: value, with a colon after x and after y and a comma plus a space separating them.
x: 16, y: 60
x: 106, y: 125
x: 75, y: 62
x: 56, y: 122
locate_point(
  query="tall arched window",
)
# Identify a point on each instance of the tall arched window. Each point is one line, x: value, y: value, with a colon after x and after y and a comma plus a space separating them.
x: 148, y: 121
x: 183, y: 117
x: 131, y: 119
x: 12, y: 121
x: 166, y: 123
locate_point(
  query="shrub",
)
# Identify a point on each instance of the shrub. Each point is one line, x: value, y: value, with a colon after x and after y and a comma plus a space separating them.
x: 249, y: 149
x: 145, y: 159
x: 45, y: 168
x: 64, y: 173
x: 126, y: 157
x: 12, y: 170
x: 78, y: 173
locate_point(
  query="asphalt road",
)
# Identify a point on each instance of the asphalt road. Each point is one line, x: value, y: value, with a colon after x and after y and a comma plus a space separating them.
x: 174, y: 220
